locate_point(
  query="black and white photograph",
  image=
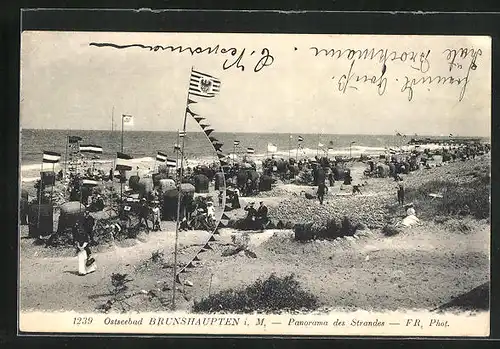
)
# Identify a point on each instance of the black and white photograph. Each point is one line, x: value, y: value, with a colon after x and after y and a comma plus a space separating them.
x: 284, y: 184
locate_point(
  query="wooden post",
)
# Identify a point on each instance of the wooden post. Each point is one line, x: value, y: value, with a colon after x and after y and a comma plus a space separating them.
x: 66, y: 158
x: 40, y: 193
x: 53, y: 185
x: 179, y: 194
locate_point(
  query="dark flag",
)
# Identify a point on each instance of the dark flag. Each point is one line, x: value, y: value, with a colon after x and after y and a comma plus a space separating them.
x: 74, y: 139
x: 123, y: 162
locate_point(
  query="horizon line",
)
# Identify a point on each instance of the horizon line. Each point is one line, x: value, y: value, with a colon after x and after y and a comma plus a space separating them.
x: 264, y: 132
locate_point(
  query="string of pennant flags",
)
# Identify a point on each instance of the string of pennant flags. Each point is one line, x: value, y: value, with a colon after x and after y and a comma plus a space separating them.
x: 204, y: 85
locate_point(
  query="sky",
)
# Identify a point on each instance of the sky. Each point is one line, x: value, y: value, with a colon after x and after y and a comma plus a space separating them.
x: 67, y: 84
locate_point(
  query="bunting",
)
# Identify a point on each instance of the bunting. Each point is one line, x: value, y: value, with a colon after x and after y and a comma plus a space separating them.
x: 203, y: 85
x: 189, y: 111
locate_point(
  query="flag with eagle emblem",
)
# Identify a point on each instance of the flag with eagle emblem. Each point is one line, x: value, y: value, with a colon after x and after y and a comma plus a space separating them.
x: 203, y: 85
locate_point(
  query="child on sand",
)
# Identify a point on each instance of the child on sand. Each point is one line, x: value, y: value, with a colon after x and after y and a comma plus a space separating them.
x: 401, y: 192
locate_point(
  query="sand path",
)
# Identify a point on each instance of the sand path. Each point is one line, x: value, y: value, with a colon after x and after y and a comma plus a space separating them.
x: 46, y: 283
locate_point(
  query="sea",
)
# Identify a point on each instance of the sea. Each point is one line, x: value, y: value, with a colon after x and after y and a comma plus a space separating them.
x: 144, y: 145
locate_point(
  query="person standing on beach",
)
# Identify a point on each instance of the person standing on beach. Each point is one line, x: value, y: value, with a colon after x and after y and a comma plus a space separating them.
x: 88, y: 226
x: 401, y: 192
x: 322, y: 190
x: 261, y: 215
x: 144, y: 213
x: 330, y: 178
x: 156, y: 216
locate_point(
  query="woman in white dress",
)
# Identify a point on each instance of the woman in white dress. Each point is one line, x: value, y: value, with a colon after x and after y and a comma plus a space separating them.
x: 86, y: 264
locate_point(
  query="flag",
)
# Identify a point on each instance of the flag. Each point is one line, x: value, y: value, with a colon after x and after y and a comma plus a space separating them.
x: 171, y: 163
x: 300, y: 139
x: 161, y: 157
x: 122, y: 162
x: 250, y: 150
x: 89, y: 182
x: 128, y: 120
x: 451, y: 135
x: 203, y: 85
x: 89, y: 148
x: 182, y: 134
x: 177, y: 147
x: 74, y: 139
x: 398, y: 134
x: 236, y: 142
x: 51, y: 157
x: 272, y: 148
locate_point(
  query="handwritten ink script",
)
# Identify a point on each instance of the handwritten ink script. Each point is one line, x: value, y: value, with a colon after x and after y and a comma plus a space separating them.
x: 237, y: 57
x: 413, y: 74
x: 461, y: 64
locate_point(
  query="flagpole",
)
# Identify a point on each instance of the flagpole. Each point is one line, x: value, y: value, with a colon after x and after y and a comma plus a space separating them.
x: 177, y: 150
x: 39, y: 200
x: 297, y: 152
x: 52, y: 190
x: 179, y: 197
x: 317, y: 147
x: 122, y: 137
x: 66, y: 157
x: 289, y: 145
x: 122, y: 171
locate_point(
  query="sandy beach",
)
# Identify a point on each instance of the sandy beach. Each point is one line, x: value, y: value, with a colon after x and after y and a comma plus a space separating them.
x: 422, y: 267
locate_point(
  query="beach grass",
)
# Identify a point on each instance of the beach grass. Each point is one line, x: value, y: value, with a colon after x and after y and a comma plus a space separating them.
x: 457, y: 199
x: 271, y: 295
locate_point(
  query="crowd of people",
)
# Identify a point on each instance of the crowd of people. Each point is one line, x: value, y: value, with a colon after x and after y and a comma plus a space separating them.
x: 240, y: 179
